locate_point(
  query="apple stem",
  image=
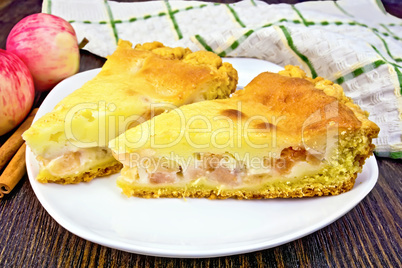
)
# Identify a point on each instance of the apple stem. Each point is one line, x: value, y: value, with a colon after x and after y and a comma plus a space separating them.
x: 83, y: 43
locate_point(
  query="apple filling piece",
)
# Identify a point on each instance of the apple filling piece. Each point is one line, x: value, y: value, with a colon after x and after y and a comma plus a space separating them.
x: 219, y: 169
x: 75, y: 161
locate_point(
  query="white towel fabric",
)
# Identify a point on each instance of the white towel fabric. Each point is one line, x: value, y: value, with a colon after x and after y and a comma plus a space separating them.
x: 352, y: 42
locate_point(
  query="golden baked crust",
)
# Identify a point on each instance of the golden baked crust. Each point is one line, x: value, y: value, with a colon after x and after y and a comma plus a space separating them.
x: 133, y: 85
x: 314, y: 139
x: 279, y: 191
x: 86, y: 176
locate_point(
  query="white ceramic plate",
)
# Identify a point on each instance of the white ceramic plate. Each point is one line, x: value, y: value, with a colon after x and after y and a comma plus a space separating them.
x: 97, y: 211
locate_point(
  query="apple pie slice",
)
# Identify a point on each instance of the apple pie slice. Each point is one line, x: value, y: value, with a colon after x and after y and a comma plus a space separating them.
x: 70, y: 142
x: 284, y: 135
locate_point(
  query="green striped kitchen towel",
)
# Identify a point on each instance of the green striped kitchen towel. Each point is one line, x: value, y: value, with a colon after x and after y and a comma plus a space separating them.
x: 351, y: 42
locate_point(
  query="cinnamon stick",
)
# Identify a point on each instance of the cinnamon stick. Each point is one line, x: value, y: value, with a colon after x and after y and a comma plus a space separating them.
x: 14, y: 171
x: 15, y: 141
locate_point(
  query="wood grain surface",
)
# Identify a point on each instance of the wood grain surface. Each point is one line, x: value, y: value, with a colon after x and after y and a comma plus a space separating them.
x: 368, y: 236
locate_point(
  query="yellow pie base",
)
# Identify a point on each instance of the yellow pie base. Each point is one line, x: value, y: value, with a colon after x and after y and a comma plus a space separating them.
x: 269, y: 190
x: 98, y: 171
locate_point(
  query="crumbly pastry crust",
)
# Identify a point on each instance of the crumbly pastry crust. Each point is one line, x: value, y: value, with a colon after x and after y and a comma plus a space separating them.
x: 293, y: 94
x: 310, y: 190
x: 131, y: 80
x: 83, y: 177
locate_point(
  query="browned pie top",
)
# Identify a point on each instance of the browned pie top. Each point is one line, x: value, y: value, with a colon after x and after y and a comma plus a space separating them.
x: 299, y: 101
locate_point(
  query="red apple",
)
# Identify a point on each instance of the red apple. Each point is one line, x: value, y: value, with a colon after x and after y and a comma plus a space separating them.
x: 48, y: 46
x: 17, y: 91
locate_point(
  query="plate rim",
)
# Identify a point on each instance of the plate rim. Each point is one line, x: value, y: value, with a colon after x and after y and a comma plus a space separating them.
x: 370, y: 164
x: 196, y: 253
